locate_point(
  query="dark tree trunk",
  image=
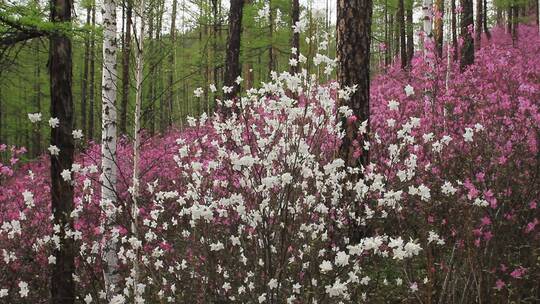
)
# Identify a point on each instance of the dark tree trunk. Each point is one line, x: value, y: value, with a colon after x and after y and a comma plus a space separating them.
x: 84, y: 88
x: 232, y: 62
x: 439, y: 24
x: 410, y: 33
x: 172, y: 65
x: 386, y: 38
x: 1, y: 118
x: 295, y: 14
x: 92, y: 95
x: 537, y: 12
x: 486, y: 29
x: 402, y: 37
x: 60, y: 69
x: 126, y: 56
x: 515, y: 17
x: 37, y: 89
x: 454, y: 30
x: 467, y: 22
x: 391, y: 40
x: 216, y: 8
x: 479, y: 24
x: 353, y: 54
x: 150, y: 120
x: 159, y: 70
x: 271, y: 56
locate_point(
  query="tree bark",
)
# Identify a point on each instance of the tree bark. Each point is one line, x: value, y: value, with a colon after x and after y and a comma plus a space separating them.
x: 232, y: 63
x: 172, y: 65
x: 428, y: 19
x: 136, y: 133
x: 84, y: 88
x: 467, y: 50
x: 126, y: 53
x: 486, y: 29
x: 92, y: 95
x: 402, y: 37
x: 410, y: 32
x: 1, y: 117
x: 353, y: 55
x: 439, y: 24
x: 454, y: 29
x: 108, y: 143
x: 515, y: 23
x: 37, y: 88
x: 271, y: 56
x: 295, y: 44
x: 391, y: 44
x: 479, y: 24
x: 60, y: 70
x: 149, y: 113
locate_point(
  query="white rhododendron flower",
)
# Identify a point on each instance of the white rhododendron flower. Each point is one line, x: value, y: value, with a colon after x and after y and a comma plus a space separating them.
x: 34, y: 117
x: 198, y: 92
x: 77, y: 134
x: 53, y: 150
x: 393, y: 105
x: 409, y: 90
x: 23, y: 289
x: 54, y: 122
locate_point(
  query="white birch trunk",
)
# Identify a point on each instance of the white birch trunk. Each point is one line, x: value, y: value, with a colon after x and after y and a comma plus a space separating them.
x: 427, y: 9
x: 136, y: 150
x: 108, y: 147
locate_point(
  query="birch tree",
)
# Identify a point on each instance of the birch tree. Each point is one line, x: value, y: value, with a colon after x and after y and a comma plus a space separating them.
x: 428, y: 19
x: 108, y: 146
x: 136, y: 146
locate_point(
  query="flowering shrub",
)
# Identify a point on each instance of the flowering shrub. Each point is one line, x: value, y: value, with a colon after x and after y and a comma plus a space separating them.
x: 256, y: 207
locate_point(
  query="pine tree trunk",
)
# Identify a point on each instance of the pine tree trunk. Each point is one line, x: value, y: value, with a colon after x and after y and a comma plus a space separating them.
x: 295, y: 44
x: 84, y: 88
x: 92, y: 94
x: 60, y: 70
x: 172, y: 65
x: 232, y: 62
x: 271, y: 58
x: 439, y: 24
x: 391, y: 44
x: 126, y: 53
x: 486, y: 29
x: 159, y: 69
x: 515, y: 17
x: 386, y: 36
x: 454, y: 29
x: 402, y: 37
x: 479, y: 24
x: 108, y: 144
x: 467, y: 50
x: 353, y: 55
x: 149, y: 113
x: 1, y: 117
x: 37, y: 89
x: 410, y: 33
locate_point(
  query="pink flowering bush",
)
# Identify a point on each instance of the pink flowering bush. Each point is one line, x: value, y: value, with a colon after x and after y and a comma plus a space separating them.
x: 256, y: 207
